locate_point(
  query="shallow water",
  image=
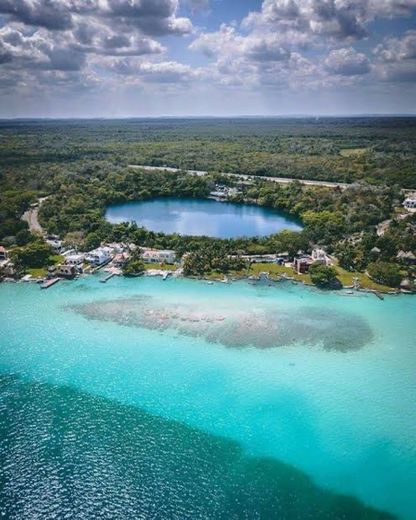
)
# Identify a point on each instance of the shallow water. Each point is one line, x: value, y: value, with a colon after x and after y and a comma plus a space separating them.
x: 202, y: 217
x: 235, y: 325
x: 205, y: 401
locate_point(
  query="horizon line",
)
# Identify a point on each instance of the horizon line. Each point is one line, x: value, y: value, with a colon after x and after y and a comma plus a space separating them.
x: 235, y: 116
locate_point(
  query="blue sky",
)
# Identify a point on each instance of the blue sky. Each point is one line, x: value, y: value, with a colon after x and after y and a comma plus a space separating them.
x: 127, y: 58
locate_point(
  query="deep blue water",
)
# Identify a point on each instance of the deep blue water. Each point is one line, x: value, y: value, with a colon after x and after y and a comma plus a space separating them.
x: 202, y: 217
x: 151, y: 399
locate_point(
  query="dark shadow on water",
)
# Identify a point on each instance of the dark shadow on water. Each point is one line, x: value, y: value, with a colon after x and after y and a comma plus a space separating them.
x: 67, y: 454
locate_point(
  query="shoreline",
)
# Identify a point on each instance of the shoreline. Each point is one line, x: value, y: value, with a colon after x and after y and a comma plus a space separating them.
x: 251, y: 280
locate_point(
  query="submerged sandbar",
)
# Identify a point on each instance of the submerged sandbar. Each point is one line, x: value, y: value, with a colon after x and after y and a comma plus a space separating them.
x: 262, y: 328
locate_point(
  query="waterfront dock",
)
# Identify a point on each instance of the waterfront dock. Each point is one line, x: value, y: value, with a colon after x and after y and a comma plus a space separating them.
x: 49, y: 283
x: 105, y: 280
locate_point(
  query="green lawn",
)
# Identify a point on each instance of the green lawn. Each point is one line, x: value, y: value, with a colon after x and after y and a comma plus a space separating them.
x: 40, y: 272
x: 347, y: 278
x: 276, y: 270
x: 37, y: 272
x: 273, y: 270
x: 57, y: 259
x: 163, y: 267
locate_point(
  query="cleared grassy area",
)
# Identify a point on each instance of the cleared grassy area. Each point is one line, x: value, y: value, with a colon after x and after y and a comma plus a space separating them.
x: 162, y: 267
x: 57, y: 259
x: 275, y: 271
x: 347, y: 278
x: 37, y: 272
x: 353, y: 152
x: 41, y: 272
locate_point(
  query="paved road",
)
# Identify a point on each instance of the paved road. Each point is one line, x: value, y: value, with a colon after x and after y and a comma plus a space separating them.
x: 279, y: 180
x: 31, y: 217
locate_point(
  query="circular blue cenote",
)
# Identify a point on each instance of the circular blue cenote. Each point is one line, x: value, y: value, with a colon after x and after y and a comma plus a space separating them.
x: 202, y: 217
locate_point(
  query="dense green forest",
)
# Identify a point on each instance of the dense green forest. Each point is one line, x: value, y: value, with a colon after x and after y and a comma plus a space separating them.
x: 375, y: 149
x: 342, y: 220
x: 82, y: 166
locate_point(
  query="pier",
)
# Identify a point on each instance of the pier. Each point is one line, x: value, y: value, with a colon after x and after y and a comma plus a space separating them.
x: 105, y: 280
x: 49, y: 283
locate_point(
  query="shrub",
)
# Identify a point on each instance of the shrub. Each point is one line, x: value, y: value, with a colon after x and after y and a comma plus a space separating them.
x: 323, y: 276
x: 385, y: 273
x: 134, y: 267
x: 36, y: 254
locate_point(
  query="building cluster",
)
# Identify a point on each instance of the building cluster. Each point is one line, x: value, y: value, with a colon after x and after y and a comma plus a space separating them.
x: 114, y: 256
x: 302, y: 262
x: 223, y: 192
x: 406, y: 257
x: 279, y: 258
x: 158, y: 256
x: 75, y: 262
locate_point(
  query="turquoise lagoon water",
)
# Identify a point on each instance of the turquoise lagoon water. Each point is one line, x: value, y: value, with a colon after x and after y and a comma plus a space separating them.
x: 202, y: 217
x: 177, y: 399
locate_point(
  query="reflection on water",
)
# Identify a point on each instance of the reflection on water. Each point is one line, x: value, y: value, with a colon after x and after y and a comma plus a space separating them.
x: 67, y: 454
x: 261, y: 328
x: 202, y: 217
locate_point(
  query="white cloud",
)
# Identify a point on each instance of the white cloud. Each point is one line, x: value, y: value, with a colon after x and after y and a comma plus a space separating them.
x: 155, y: 17
x: 300, y: 42
x: 397, y: 49
x: 336, y: 20
x: 152, y: 72
x: 285, y: 46
x: 391, y: 8
x: 197, y: 5
x: 347, y: 62
x: 396, y: 58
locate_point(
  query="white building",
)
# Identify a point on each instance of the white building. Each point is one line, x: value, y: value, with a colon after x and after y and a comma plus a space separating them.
x: 158, y: 256
x: 320, y: 255
x: 67, y: 271
x: 99, y: 256
x: 410, y: 203
x: 406, y: 257
x: 69, y: 252
x: 117, y: 248
x: 55, y: 244
x: 75, y: 259
x: 257, y: 259
x: 3, y: 253
x: 222, y: 192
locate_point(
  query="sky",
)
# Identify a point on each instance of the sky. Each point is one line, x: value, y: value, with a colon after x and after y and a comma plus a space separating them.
x: 141, y: 58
